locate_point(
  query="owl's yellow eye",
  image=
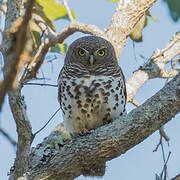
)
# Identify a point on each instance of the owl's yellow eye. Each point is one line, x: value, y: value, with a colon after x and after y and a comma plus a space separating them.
x: 82, y: 52
x: 101, y: 52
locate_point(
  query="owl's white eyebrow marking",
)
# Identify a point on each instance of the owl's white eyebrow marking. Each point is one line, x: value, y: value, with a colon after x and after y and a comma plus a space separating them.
x: 101, y: 48
x: 79, y: 47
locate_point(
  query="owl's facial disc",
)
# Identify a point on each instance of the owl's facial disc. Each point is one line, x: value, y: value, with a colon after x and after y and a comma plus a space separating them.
x: 91, y: 51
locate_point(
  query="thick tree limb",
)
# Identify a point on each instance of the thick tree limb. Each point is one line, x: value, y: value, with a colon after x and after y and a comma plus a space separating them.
x: 14, y: 41
x: 124, y: 19
x: 24, y: 131
x: 50, y: 161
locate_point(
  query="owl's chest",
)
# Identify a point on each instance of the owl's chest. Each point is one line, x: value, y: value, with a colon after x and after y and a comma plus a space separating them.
x: 91, y: 90
x: 88, y: 103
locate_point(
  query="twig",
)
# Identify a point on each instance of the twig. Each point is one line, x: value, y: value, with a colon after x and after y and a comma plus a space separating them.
x: 44, y: 80
x: 163, y: 153
x: 46, y: 123
x: 135, y: 103
x: 52, y: 59
x: 68, y: 10
x: 41, y: 84
x: 143, y: 57
x: 164, y: 170
x: 5, y: 134
x: 134, y: 51
x: 172, y: 68
x: 162, y: 135
x: 175, y: 62
x: 41, y: 79
x: 157, y: 146
x: 51, y: 62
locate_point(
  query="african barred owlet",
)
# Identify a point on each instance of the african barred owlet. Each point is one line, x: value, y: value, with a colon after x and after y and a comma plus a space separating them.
x: 91, y: 88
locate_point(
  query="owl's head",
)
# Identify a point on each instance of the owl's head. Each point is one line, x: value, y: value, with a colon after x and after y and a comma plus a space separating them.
x: 91, y: 51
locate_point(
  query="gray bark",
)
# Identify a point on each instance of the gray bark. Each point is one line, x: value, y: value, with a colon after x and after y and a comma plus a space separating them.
x: 51, y: 160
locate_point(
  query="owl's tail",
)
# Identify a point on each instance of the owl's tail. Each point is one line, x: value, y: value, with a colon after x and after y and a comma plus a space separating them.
x: 95, y: 171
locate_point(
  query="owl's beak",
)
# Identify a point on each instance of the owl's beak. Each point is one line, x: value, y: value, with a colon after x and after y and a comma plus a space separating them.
x: 91, y: 60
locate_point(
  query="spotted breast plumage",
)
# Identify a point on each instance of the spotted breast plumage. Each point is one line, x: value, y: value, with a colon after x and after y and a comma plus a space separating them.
x: 91, y: 85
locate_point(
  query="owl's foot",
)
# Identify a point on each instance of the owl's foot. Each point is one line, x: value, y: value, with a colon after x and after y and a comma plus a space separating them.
x: 83, y: 133
x: 65, y: 135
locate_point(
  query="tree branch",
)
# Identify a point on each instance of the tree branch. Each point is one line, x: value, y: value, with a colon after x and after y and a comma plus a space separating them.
x: 124, y: 19
x: 24, y: 131
x: 50, y: 161
x: 41, y: 84
x: 13, y: 51
x: 13, y: 47
x: 7, y: 136
x: 3, y: 6
x: 154, y: 67
x: 68, y: 10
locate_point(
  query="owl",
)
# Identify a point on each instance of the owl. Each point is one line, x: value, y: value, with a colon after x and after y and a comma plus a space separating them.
x: 91, y: 88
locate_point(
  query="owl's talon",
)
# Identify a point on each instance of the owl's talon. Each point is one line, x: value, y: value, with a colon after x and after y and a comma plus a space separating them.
x: 83, y: 133
x: 64, y: 135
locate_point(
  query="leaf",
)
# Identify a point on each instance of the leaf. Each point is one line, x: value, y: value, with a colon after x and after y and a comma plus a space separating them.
x: 36, y: 38
x: 152, y: 17
x: 33, y: 26
x: 39, y: 11
x: 60, y: 48
x: 136, y: 34
x: 174, y: 9
x: 53, y: 9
